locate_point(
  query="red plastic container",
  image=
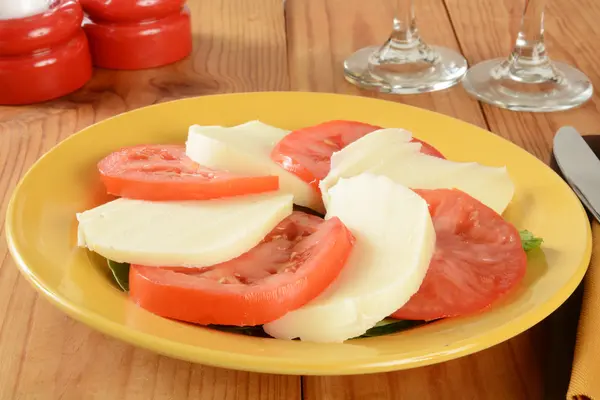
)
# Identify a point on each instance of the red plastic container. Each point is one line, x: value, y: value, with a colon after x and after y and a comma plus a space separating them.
x: 44, y: 56
x: 131, y: 34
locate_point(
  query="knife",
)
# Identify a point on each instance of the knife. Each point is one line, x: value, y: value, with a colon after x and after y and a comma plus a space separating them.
x: 580, y: 167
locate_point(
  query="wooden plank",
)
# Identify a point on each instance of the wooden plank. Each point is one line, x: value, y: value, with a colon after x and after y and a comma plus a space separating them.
x: 239, y: 46
x: 487, y: 28
x: 321, y: 33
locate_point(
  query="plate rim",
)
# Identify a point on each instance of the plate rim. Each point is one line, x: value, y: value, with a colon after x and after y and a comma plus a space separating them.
x: 262, y: 364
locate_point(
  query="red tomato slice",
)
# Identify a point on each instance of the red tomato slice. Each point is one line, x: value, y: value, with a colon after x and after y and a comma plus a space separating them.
x: 478, y: 258
x: 292, y: 266
x: 307, y: 152
x: 428, y: 149
x: 164, y: 172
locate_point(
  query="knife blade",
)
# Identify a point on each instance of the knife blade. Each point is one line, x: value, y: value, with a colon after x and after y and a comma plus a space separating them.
x: 580, y: 166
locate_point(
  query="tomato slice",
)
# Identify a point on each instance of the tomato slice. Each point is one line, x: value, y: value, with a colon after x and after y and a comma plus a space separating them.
x: 292, y: 266
x: 164, y: 172
x: 307, y: 152
x: 478, y: 258
x: 428, y: 149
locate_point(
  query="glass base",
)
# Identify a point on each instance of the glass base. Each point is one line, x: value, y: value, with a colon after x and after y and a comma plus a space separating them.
x: 491, y: 83
x: 447, y: 69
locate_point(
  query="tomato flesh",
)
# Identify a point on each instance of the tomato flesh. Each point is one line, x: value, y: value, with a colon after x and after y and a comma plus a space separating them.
x: 292, y: 266
x: 478, y: 258
x: 164, y: 172
x: 428, y: 149
x: 307, y: 152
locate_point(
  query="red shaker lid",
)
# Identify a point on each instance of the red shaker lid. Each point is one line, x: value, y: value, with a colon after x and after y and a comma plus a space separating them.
x: 24, y: 35
x: 140, y: 44
x: 44, y: 56
x: 130, y: 10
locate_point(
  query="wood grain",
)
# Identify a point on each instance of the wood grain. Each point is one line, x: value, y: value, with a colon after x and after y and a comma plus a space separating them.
x: 571, y: 36
x: 239, y: 46
x: 321, y: 33
x: 243, y: 46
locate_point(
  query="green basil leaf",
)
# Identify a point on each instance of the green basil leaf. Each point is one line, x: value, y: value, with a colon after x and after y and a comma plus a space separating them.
x: 529, y: 241
x: 384, y: 327
x: 256, y: 331
x: 388, y: 326
x: 120, y: 272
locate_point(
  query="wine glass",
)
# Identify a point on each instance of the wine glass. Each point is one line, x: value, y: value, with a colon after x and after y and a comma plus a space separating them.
x: 405, y: 64
x: 528, y: 80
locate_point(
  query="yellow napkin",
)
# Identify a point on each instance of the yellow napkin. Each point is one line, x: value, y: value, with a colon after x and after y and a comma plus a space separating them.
x: 585, y: 377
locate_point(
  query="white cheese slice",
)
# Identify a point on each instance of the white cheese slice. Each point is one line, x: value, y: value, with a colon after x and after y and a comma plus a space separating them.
x: 246, y: 149
x: 404, y: 164
x: 372, y: 148
x: 183, y: 233
x: 395, y: 240
x: 379, y: 142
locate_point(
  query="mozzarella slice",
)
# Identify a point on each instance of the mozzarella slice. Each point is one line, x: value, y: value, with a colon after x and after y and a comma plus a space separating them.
x: 186, y: 233
x: 404, y: 164
x: 372, y: 148
x: 379, y: 142
x: 246, y: 149
x: 260, y: 129
x: 395, y: 240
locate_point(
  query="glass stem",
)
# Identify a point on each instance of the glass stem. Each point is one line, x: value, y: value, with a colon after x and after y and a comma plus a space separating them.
x: 404, y: 46
x: 528, y: 62
x: 405, y: 31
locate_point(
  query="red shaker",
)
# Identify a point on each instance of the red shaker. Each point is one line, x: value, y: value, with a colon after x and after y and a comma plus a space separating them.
x: 43, y: 56
x: 137, y: 34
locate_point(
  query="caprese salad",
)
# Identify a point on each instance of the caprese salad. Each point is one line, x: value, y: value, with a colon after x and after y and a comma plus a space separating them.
x: 330, y: 232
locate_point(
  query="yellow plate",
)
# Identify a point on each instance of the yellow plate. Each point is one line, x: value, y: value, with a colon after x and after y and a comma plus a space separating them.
x: 41, y: 230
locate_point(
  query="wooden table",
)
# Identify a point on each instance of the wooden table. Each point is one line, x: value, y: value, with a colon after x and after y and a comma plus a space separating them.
x: 264, y: 45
